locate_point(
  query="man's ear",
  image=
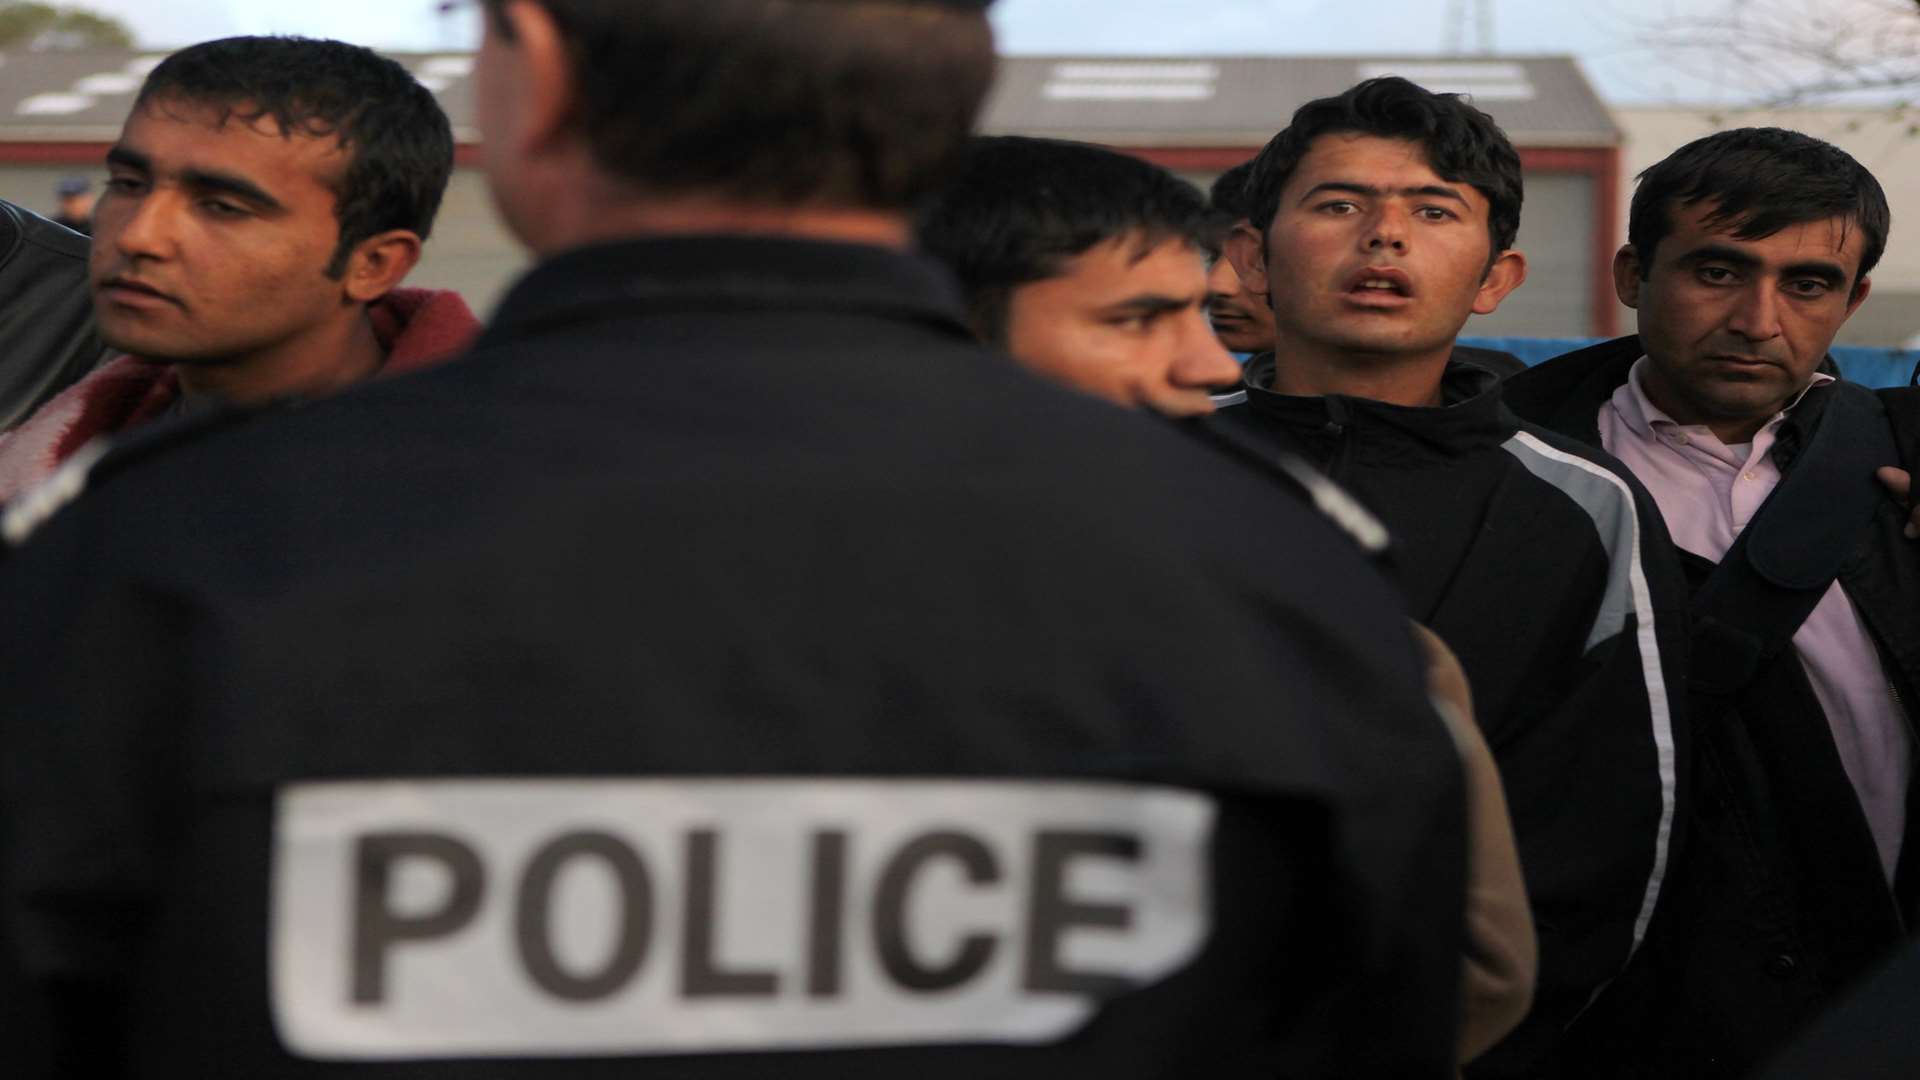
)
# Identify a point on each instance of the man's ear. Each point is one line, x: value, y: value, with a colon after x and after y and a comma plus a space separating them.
x: 1508, y: 271
x: 1626, y: 275
x: 543, y: 74
x: 379, y: 263
x: 1859, y: 295
x: 1246, y: 248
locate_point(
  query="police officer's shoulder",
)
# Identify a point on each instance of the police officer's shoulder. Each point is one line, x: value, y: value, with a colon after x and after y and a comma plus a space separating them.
x: 1295, y: 474
x: 106, y: 458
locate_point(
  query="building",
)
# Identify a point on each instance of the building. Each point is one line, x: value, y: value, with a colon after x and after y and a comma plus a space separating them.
x: 1201, y: 116
x: 59, y: 112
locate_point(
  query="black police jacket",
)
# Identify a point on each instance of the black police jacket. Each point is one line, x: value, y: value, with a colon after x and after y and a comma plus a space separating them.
x: 46, y: 312
x: 728, y: 669
x: 1543, y: 565
x: 1779, y: 899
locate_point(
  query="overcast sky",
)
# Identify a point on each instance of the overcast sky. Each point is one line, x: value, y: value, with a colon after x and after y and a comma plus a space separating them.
x: 1609, y: 37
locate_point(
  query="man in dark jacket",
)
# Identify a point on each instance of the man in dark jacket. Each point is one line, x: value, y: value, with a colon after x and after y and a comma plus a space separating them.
x: 1746, y: 252
x: 1388, y: 215
x: 1086, y: 266
x: 727, y: 669
x: 1240, y: 316
x: 1084, y: 263
x: 258, y: 222
x: 47, y: 337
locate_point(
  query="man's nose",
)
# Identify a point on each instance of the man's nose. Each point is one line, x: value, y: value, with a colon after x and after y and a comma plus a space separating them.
x: 142, y: 227
x: 1756, y: 317
x: 1387, y: 229
x: 1222, y: 280
x: 1200, y: 360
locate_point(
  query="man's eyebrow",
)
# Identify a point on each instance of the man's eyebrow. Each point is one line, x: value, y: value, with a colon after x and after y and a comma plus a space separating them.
x: 208, y: 180
x: 1153, y: 304
x: 1706, y: 253
x: 1432, y: 191
x: 227, y: 183
x: 128, y: 158
x: 1830, y: 272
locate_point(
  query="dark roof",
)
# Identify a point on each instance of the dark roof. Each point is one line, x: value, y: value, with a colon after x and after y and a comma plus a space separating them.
x: 83, y: 96
x: 1242, y: 101
x: 1144, y: 101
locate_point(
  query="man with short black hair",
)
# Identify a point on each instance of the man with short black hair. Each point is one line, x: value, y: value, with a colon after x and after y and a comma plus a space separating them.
x: 1086, y: 266
x: 1746, y: 252
x: 729, y: 668
x: 263, y: 203
x: 1382, y: 219
x: 1084, y: 263
x: 1241, y: 316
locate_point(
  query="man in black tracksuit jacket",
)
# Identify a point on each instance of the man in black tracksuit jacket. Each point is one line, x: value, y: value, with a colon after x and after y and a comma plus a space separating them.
x: 1747, y: 251
x: 1781, y: 898
x: 728, y: 669
x: 1538, y: 560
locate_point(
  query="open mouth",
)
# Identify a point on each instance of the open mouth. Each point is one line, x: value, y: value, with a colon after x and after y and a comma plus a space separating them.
x: 1376, y: 284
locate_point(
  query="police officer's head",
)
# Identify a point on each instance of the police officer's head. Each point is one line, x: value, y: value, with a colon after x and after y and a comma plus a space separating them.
x: 780, y: 106
x: 1087, y: 265
x: 263, y: 191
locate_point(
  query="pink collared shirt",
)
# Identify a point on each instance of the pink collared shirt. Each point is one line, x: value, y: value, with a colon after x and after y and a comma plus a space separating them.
x: 1708, y: 491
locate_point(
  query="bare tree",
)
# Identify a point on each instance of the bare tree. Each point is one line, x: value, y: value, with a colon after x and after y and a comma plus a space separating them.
x: 25, y: 24
x: 1780, y: 53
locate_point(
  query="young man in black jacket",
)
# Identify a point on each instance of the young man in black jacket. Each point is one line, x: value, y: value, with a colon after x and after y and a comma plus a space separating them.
x: 1085, y: 265
x: 1747, y: 250
x: 1385, y: 217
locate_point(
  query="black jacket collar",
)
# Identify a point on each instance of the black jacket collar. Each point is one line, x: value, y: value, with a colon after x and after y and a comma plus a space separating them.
x: 727, y: 273
x: 1565, y: 394
x: 1472, y: 416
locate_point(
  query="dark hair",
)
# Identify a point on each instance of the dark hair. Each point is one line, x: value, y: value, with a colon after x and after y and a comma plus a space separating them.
x: 1226, y: 207
x: 398, y: 140
x: 1229, y: 192
x: 858, y: 103
x: 1760, y: 180
x: 1020, y: 208
x: 1462, y: 145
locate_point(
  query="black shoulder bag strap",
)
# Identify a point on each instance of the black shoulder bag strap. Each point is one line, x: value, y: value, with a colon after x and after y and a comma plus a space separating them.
x: 1788, y: 556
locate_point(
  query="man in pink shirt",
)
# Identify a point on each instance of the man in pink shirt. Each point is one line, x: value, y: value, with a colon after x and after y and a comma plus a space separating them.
x: 1747, y: 252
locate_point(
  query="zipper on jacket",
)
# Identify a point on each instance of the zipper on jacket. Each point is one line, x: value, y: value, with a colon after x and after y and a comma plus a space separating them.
x: 1339, y: 425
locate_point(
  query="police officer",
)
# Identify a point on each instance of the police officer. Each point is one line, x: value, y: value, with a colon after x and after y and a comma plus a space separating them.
x: 728, y: 669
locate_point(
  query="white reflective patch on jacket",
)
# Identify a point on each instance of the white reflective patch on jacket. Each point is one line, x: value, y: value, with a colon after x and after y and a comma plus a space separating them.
x: 464, y: 918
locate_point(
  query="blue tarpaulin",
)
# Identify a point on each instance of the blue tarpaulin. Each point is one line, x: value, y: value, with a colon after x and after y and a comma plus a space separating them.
x: 1868, y: 367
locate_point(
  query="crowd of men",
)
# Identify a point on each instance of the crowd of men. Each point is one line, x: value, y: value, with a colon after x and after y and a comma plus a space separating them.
x: 877, y: 600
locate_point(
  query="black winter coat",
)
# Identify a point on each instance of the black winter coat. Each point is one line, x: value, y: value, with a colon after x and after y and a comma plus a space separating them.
x: 46, y: 312
x: 1779, y: 900
x: 308, y: 715
x: 1544, y: 566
